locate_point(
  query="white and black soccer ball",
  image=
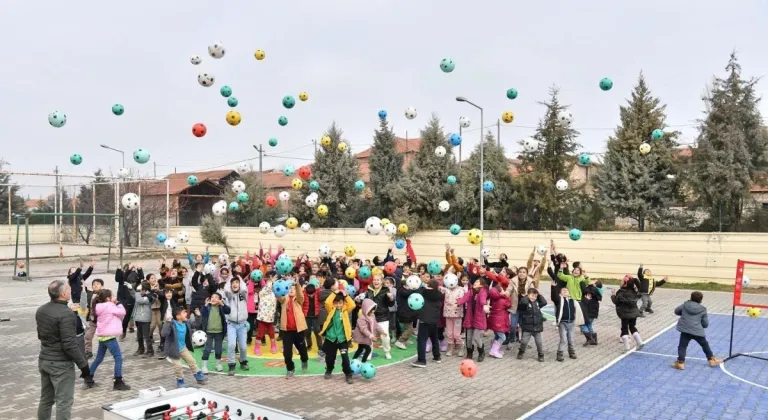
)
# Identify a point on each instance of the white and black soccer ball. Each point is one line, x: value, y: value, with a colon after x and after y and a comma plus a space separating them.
x: 170, y: 244
x: 311, y: 200
x: 199, y: 338
x: 238, y: 187
x: 561, y: 185
x: 130, y: 201
x: 223, y: 258
x: 209, y: 268
x: 280, y: 231
x: 450, y: 280
x: 264, y: 227
x: 530, y: 145
x: 123, y: 172
x: 217, y: 50
x: 444, y: 206
x: 243, y: 167
x: 390, y: 229
x: 305, y: 227
x: 183, y: 236
x: 541, y: 250
x: 565, y: 117
x: 465, y: 122
x: 440, y: 151
x: 324, y: 250
x: 413, y: 282
x: 206, y: 79
x: 485, y: 252
x: 373, y: 226
x: 410, y: 113
x: 220, y: 208
x: 195, y: 59
x: 284, y: 196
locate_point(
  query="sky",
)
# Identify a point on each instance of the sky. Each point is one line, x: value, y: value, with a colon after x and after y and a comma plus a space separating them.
x: 353, y: 58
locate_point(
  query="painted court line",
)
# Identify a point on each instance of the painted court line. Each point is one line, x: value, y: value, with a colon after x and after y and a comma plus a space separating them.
x: 669, y: 355
x: 597, y: 372
x: 722, y: 367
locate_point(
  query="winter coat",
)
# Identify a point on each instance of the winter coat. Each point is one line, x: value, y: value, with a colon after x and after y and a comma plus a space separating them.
x: 253, y: 297
x: 57, y: 332
x: 109, y: 319
x: 647, y: 283
x: 238, y: 308
x: 591, y: 306
x: 382, y: 301
x: 498, y: 318
x: 76, y: 280
x: 451, y: 307
x: 177, y: 285
x: 142, y: 309
x: 346, y: 310
x: 626, y: 303
x: 172, y: 349
x: 573, y: 284
x: 365, y: 330
x: 404, y: 312
x: 518, y: 291
x: 693, y: 318
x: 475, y: 317
x: 305, y: 307
x: 431, y: 311
x: 267, y: 305
x: 531, y: 318
x: 566, y: 313
x: 298, y: 314
x: 324, y: 293
x: 126, y: 285
x: 205, y: 312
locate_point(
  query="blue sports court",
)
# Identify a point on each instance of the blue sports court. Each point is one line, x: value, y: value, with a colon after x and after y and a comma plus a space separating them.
x: 643, y: 385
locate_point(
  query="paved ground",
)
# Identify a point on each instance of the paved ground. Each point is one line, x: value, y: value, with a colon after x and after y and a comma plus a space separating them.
x: 503, y: 389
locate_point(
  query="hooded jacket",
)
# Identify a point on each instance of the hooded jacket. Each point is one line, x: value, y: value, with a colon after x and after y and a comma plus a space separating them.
x: 626, y: 303
x: 531, y: 318
x: 404, y: 312
x: 451, y: 307
x: 498, y: 318
x: 693, y: 318
x: 236, y: 301
x: 382, y: 301
x: 365, y: 330
x: 475, y: 316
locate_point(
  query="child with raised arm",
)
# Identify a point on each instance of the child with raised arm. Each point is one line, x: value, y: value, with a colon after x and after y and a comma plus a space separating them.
x: 647, y: 286
x: 337, y: 333
x: 292, y: 325
x: 691, y: 324
x: 568, y: 314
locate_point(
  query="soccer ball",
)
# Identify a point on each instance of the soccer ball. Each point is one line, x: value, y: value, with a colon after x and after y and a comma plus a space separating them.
x: 565, y: 117
x: 183, y: 236
x: 745, y: 280
x: 413, y: 282
x: 440, y: 151
x: 206, y: 79
x: 289, y: 170
x: 217, y: 50
x: 485, y: 252
x: 220, y: 208
x: 243, y: 168
x: 464, y: 122
x: 296, y: 184
x: 444, y: 206
x: 170, y: 244
x: 410, y: 113
x: 561, y: 185
x: 311, y: 200
x: 541, y: 250
x: 130, y: 201
x: 195, y: 59
x: 284, y: 196
x: 342, y: 147
x: 645, y: 148
x: 508, y: 117
x: 209, y: 268
x: 322, y: 210
x: 475, y: 237
x: 349, y: 251
x: 291, y: 223
x: 238, y: 186
x: 390, y: 229
x: 753, y: 312
x: 450, y: 280
x: 199, y: 338
x: 305, y: 227
x: 530, y: 145
x: 373, y: 226
x: 264, y: 227
x: 223, y: 258
x: 57, y: 119
x: 324, y: 250
x: 280, y: 231
x: 123, y: 172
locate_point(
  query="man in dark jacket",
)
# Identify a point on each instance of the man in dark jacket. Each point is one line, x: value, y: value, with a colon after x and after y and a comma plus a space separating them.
x: 56, y: 330
x: 429, y: 316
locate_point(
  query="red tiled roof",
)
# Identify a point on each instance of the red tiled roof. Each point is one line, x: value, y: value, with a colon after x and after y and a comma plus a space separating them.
x: 178, y: 181
x: 32, y: 204
x: 401, y: 146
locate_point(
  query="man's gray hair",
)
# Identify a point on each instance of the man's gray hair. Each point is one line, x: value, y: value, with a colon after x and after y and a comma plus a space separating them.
x: 56, y: 288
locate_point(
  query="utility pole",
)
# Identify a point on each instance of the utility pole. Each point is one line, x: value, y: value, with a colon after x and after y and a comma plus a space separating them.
x: 155, y: 164
x: 260, y: 149
x: 314, y: 141
x: 460, y: 144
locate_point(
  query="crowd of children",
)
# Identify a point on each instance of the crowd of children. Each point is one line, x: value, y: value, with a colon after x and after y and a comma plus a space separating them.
x: 343, y: 300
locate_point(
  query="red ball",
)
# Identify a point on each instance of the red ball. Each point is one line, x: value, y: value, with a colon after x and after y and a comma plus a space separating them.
x: 199, y: 130
x: 271, y: 201
x: 468, y: 368
x: 305, y: 172
x: 390, y: 267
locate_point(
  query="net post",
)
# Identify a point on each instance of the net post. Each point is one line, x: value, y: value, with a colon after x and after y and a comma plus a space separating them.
x: 26, y: 233
x: 120, y: 221
x: 16, y: 254
x: 730, y: 342
x: 109, y: 247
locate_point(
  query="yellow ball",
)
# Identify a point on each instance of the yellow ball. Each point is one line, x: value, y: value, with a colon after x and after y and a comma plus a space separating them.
x: 645, y: 148
x: 377, y: 271
x: 297, y: 184
x: 326, y: 141
x: 342, y: 147
x: 291, y: 223
x: 322, y: 210
x: 350, y: 273
x: 475, y: 237
x: 259, y: 54
x: 508, y: 117
x: 402, y: 228
x: 233, y: 118
x: 349, y: 251
x: 753, y: 312
x: 385, y: 221
x: 303, y: 96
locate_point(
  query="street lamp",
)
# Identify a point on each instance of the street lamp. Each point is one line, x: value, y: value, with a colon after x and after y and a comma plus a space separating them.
x: 116, y: 150
x: 482, y: 169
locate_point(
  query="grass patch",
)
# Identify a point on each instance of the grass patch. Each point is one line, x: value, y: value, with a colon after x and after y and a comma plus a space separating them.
x: 706, y: 287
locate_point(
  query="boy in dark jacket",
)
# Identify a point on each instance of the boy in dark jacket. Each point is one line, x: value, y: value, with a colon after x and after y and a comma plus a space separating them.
x: 167, y: 308
x: 692, y: 323
x: 178, y: 345
x: 531, y: 321
x: 214, y: 324
x: 311, y: 309
x: 647, y: 286
x: 429, y: 317
x: 406, y: 315
x: 90, y: 330
x: 591, y: 295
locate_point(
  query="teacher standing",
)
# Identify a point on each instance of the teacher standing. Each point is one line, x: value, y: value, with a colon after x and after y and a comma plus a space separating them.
x: 57, y: 332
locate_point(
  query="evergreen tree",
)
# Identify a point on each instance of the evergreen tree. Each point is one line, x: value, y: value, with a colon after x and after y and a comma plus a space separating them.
x: 337, y: 172
x: 424, y: 186
x: 731, y: 148
x: 497, y: 203
x: 386, y: 168
x: 552, y: 161
x: 17, y: 201
x: 632, y: 184
x: 255, y: 210
x: 212, y: 231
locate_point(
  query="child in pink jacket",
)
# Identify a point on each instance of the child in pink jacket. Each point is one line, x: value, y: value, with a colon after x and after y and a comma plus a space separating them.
x: 365, y: 331
x: 475, y: 317
x: 453, y: 313
x: 109, y: 314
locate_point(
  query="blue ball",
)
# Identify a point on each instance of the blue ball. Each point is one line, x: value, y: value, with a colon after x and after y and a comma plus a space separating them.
x: 455, y: 229
x: 434, y: 267
x: 256, y: 275
x: 161, y: 237
x: 281, y: 288
x: 359, y: 185
x: 399, y: 244
x: 351, y: 290
x: 488, y: 186
x: 415, y: 301
x: 368, y: 370
x: 364, y: 272
x: 355, y: 365
x: 283, y: 266
x: 383, y: 114
x: 584, y: 159
x: 455, y: 139
x: 451, y: 179
x: 574, y: 234
x: 315, y: 282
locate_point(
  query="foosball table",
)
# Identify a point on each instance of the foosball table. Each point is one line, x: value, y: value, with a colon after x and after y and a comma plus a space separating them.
x: 190, y: 404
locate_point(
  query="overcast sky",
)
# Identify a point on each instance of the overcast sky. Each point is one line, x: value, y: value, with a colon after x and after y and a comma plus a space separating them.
x: 353, y: 58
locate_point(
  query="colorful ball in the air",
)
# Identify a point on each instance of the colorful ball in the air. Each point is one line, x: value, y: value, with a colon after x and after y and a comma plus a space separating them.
x: 488, y: 186
x: 390, y: 267
x: 342, y: 147
x: 314, y: 185
x: 753, y: 312
x: 291, y: 223
x: 355, y: 365
x: 377, y: 271
x: 289, y: 170
x: 455, y: 229
x: 225, y: 91
x: 233, y: 206
x: 351, y: 288
x: 273, y: 142
x: 475, y: 237
x: 434, y: 267
x: 455, y: 139
x: 76, y: 159
x: 415, y: 301
x: 364, y: 272
x: 271, y: 201
x: 447, y: 65
x: 232, y: 102
x: 349, y: 250
x: 284, y: 266
x: 118, y: 109
x: 305, y: 172
x: 645, y: 148
x: 256, y: 275
x: 322, y: 210
x: 351, y: 273
x: 382, y: 114
x: 296, y: 184
x: 606, y: 84
x: 242, y: 197
x: 141, y: 156
x: 508, y: 117
x: 314, y: 282
x: 326, y: 141
x: 451, y: 179
x: 57, y: 119
x: 368, y: 370
x: 199, y: 130
x: 399, y: 244
x: 283, y: 121
x: 161, y: 237
x: 303, y: 96
x: 511, y: 93
x: 259, y: 54
x: 233, y: 118
x: 192, y: 180
x: 281, y: 288
x: 359, y: 185
x: 402, y: 228
x: 657, y: 134
x: 468, y: 368
x: 574, y: 234
x: 584, y: 159
x: 289, y: 101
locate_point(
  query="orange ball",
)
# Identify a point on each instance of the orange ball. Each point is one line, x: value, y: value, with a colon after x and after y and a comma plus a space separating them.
x: 305, y: 172
x: 199, y: 130
x: 390, y: 267
x: 468, y: 368
x: 271, y: 201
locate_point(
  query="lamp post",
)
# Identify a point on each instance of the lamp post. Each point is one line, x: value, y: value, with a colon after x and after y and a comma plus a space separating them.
x: 117, y: 200
x: 482, y: 169
x: 116, y: 150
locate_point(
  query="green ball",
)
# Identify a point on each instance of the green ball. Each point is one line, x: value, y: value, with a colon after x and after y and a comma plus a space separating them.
x: 451, y: 179
x: 141, y: 156
x: 192, y: 180
x: 455, y: 229
x: 606, y: 84
x: 657, y: 134
x: 283, y: 120
x: 511, y: 93
x: 242, y: 197
x: 118, y: 109
x: 226, y: 91
x: 273, y: 141
x: 233, y: 206
x: 289, y: 101
x: 447, y: 65
x: 76, y: 159
x: 314, y: 185
x: 434, y: 267
x: 368, y: 370
x: 232, y: 102
x: 359, y: 185
x: 574, y: 234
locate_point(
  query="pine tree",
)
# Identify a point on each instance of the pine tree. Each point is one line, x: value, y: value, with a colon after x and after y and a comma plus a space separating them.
x: 255, y: 210
x: 212, y: 231
x: 552, y: 161
x: 424, y: 186
x: 497, y: 203
x: 17, y: 201
x: 386, y: 168
x: 731, y: 148
x: 337, y: 172
x: 632, y: 184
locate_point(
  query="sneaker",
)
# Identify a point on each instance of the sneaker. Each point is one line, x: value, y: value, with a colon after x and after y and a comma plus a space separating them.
x: 244, y: 365
x: 678, y: 365
x: 131, y: 330
x: 321, y: 354
x: 88, y: 355
x: 231, y: 369
x: 649, y: 310
x: 161, y: 355
x: 304, y: 366
x: 119, y: 385
x: 205, y: 367
x: 139, y: 352
x: 419, y: 364
x: 200, y: 377
x: 348, y: 379
x: 89, y: 383
x: 437, y: 361
x: 714, y: 362
x: 387, y: 355
x: 641, y: 315
x: 180, y: 382
x: 289, y: 374
x: 149, y: 354
x: 327, y: 375
x: 219, y: 368
x: 400, y: 345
